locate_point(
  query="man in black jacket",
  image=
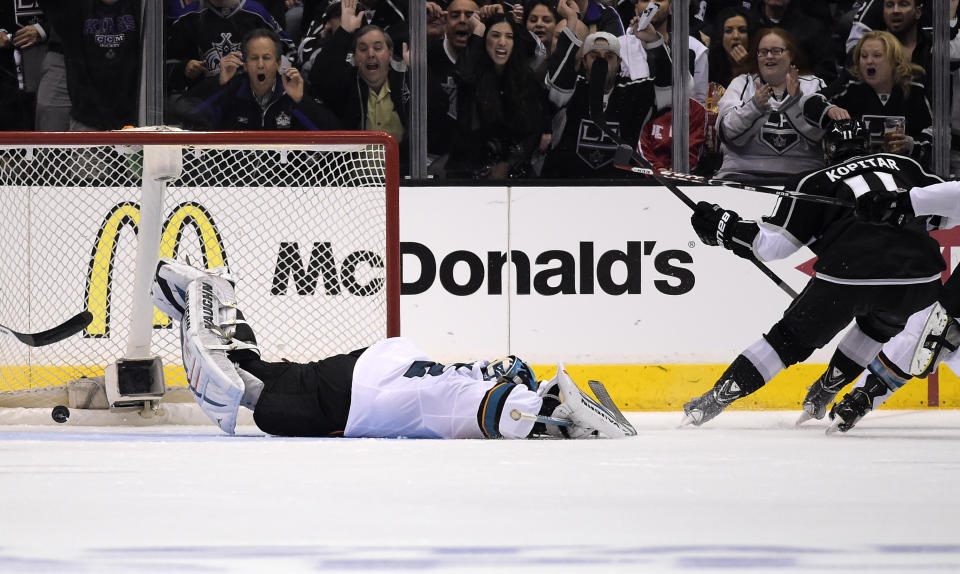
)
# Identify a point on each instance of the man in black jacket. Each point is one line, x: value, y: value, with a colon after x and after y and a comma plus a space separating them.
x: 372, y: 91
x: 266, y: 97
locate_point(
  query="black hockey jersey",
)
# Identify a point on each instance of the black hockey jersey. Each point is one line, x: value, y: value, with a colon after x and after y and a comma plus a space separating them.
x: 210, y: 33
x: 849, y: 250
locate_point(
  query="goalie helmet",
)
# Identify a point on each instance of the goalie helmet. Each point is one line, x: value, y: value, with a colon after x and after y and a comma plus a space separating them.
x: 845, y: 139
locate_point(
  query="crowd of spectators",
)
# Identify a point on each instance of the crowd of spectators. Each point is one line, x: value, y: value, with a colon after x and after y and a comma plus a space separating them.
x: 508, y: 82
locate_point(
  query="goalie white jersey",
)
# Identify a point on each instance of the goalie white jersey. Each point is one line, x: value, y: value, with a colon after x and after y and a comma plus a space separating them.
x: 399, y: 392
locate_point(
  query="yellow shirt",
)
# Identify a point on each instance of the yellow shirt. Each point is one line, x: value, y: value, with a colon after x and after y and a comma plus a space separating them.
x: 381, y: 115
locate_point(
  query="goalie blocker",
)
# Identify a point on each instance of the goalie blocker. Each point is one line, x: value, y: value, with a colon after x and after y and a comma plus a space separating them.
x: 390, y: 389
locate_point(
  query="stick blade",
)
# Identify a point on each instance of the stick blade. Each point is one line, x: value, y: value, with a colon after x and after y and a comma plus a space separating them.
x: 68, y: 328
x: 600, y: 391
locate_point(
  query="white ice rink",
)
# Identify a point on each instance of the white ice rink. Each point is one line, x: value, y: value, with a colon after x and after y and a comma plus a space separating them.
x: 747, y: 492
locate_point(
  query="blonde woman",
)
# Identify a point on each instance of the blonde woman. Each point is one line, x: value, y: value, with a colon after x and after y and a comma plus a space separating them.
x: 882, y: 86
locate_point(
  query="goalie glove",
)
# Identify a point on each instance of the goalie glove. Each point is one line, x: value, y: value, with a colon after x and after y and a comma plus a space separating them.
x: 512, y: 370
x: 883, y: 206
x: 717, y: 226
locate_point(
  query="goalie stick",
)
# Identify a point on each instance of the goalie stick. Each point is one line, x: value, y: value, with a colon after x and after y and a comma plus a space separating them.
x: 600, y: 391
x: 598, y: 77
x: 517, y: 416
x: 71, y: 326
x: 737, y: 185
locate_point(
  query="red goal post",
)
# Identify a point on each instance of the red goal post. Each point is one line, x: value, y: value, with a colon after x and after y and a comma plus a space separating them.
x: 307, y: 222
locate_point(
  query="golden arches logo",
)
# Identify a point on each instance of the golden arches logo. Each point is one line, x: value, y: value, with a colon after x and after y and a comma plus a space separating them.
x: 98, y: 293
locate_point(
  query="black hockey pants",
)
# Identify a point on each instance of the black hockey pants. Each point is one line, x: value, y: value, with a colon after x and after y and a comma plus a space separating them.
x: 304, y: 399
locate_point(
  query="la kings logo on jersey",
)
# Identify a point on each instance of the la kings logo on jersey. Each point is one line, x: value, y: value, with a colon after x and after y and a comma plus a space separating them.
x: 778, y: 134
x: 593, y: 146
x: 284, y: 121
x: 218, y: 50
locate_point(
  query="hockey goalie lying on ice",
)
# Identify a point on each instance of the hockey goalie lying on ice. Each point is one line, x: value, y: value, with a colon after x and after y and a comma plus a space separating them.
x: 390, y: 389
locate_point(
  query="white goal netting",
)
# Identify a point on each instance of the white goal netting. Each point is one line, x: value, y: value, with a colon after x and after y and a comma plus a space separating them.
x: 307, y: 226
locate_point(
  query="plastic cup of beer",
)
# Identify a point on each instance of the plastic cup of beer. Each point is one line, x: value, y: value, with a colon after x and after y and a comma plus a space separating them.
x: 892, y: 129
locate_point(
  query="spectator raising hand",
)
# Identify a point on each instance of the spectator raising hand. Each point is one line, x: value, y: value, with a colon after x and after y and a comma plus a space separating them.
x: 351, y: 20
x: 229, y: 65
x: 570, y: 12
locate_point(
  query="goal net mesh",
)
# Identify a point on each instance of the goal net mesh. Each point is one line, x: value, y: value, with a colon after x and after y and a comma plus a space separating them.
x: 301, y: 227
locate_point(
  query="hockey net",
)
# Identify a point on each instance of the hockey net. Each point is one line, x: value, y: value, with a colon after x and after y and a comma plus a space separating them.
x: 305, y: 222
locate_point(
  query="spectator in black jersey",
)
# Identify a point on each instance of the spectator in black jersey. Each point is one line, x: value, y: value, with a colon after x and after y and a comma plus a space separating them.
x: 874, y: 275
x: 317, y: 35
x: 200, y: 38
x: 812, y: 38
x: 881, y: 87
x: 372, y: 92
x: 443, y: 52
x: 499, y: 114
x: 101, y: 47
x: 581, y: 149
x: 267, y: 96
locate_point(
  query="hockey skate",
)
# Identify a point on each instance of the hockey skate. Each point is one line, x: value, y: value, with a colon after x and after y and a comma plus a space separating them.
x: 848, y: 411
x: 940, y: 336
x: 819, y: 396
x: 701, y: 409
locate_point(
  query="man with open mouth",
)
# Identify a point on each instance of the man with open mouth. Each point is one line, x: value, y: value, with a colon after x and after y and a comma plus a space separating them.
x: 266, y: 97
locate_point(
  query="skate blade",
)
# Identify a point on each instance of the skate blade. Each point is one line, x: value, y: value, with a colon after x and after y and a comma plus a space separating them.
x: 687, y: 421
x: 834, y: 428
x: 804, y: 417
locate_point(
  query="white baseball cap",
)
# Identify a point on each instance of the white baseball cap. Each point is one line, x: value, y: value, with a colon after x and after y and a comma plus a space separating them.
x: 607, y: 41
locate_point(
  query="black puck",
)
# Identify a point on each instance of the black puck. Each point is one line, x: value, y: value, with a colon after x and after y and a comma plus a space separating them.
x: 60, y: 414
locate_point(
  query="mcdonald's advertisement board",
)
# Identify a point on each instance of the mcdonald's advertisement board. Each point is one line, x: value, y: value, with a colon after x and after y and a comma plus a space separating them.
x: 612, y: 281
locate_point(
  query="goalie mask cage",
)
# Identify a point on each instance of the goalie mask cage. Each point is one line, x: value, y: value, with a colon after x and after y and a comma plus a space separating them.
x: 306, y: 222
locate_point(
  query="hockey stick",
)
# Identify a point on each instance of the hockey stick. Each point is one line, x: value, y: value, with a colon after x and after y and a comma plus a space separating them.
x: 518, y: 416
x: 598, y: 78
x: 71, y: 326
x: 737, y: 185
x: 600, y: 391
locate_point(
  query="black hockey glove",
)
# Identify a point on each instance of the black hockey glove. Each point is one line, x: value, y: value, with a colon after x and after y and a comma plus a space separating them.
x: 713, y: 224
x: 717, y: 226
x: 885, y: 207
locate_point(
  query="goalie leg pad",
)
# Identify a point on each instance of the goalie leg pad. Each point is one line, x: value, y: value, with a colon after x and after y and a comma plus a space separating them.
x: 211, y: 375
x: 170, y: 284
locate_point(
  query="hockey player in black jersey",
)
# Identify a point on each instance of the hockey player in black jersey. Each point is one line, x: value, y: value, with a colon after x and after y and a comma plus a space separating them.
x: 874, y: 275
x: 932, y: 335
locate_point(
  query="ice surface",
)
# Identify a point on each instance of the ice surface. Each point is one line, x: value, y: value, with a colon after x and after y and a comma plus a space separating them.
x: 747, y: 492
